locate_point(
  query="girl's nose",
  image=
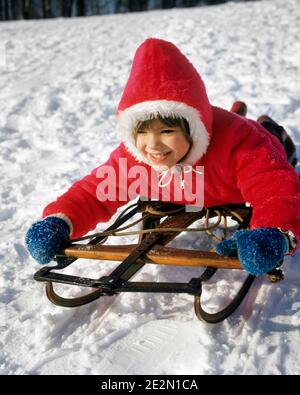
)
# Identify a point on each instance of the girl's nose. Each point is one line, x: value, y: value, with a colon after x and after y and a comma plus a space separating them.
x: 153, y: 140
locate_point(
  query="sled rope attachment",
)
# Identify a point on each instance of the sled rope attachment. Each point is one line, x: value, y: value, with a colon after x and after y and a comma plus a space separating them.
x: 152, y: 211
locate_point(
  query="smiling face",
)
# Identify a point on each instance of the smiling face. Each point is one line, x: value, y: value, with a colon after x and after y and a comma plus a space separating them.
x: 161, y: 144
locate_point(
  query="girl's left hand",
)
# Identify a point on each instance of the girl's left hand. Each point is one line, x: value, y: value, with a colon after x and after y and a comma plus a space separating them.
x: 259, y: 250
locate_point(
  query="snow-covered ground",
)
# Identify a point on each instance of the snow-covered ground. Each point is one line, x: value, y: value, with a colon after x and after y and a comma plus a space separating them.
x: 60, y: 82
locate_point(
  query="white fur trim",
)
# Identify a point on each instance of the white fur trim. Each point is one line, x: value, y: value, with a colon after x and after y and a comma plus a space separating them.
x: 65, y: 218
x: 128, y: 119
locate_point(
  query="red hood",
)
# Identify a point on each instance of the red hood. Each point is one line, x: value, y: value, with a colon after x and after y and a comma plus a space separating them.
x: 163, y: 82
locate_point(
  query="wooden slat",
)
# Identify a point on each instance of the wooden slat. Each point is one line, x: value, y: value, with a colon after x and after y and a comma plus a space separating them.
x: 157, y: 255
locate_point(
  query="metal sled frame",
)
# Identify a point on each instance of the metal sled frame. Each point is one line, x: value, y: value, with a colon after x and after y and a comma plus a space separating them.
x: 150, y: 249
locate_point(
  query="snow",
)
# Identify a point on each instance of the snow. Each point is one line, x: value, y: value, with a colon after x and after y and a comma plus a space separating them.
x: 60, y: 83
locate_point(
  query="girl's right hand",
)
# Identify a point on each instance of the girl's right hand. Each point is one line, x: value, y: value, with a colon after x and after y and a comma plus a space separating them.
x: 45, y: 238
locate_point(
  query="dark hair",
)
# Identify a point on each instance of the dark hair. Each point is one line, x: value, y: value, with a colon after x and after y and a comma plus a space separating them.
x: 168, y: 121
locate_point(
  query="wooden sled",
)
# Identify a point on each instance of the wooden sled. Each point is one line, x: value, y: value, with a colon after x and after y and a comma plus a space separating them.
x: 162, y: 222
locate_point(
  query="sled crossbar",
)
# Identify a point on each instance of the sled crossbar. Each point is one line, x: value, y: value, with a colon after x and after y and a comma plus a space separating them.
x: 157, y: 255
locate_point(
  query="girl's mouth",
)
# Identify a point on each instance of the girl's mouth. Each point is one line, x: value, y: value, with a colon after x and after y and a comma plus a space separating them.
x: 157, y: 158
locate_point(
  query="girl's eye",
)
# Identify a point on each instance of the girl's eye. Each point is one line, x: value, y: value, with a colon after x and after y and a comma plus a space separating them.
x: 168, y: 131
x: 141, y: 132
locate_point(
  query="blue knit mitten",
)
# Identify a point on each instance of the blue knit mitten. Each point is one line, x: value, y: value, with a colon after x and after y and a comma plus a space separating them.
x: 259, y: 250
x: 45, y: 238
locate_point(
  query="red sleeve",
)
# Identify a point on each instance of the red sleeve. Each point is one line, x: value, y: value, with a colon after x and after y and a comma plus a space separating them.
x: 268, y: 182
x: 82, y: 202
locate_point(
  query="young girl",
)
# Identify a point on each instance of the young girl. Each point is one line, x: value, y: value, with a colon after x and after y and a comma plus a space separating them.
x: 170, y: 129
